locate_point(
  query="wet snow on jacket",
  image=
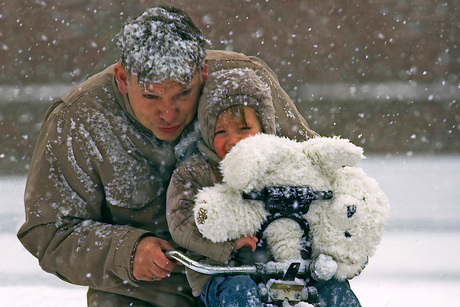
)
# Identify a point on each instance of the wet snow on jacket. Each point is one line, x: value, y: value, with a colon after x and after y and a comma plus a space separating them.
x: 97, y: 184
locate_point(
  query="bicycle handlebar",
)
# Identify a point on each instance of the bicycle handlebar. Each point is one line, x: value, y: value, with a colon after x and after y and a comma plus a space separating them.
x: 259, y: 268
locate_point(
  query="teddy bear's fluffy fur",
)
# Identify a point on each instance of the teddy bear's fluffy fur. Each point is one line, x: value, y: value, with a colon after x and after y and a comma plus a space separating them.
x: 346, y: 228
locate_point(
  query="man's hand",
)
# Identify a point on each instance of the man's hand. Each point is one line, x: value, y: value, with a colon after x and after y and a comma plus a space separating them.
x: 150, y: 262
x: 250, y: 241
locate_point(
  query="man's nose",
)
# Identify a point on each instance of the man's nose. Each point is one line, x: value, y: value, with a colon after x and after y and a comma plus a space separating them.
x: 168, y: 112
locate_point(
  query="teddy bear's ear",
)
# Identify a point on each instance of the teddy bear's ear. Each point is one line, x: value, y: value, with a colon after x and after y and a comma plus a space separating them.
x: 333, y: 153
x: 245, y: 163
x: 251, y: 159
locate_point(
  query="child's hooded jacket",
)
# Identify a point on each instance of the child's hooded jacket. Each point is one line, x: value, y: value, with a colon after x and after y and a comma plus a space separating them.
x: 224, y: 89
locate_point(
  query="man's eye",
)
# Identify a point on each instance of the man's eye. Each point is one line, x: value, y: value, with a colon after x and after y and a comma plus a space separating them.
x: 184, y: 93
x: 148, y: 96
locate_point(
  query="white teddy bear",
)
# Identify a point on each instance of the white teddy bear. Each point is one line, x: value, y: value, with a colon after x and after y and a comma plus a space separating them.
x: 344, y: 230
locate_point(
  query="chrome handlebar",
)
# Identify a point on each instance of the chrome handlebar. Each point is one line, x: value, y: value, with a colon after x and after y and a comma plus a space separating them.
x: 260, y: 268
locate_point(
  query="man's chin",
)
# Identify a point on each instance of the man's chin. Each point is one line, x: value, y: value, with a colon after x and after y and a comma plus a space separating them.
x: 167, y: 136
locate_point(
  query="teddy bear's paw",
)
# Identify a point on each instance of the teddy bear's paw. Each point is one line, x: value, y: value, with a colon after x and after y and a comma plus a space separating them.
x: 350, y: 270
x: 285, y: 239
x: 324, y: 267
x: 221, y: 214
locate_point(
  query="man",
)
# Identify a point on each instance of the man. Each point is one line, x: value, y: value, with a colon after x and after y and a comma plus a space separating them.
x: 95, y: 194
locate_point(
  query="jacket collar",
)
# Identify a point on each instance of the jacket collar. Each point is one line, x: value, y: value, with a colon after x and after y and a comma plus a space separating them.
x: 210, y: 154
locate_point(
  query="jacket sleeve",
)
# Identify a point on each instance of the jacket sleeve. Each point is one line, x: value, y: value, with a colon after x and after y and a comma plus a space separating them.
x: 64, y: 225
x: 185, y: 183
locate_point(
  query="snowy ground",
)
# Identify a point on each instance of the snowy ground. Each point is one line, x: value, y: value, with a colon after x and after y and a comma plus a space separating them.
x: 415, y: 265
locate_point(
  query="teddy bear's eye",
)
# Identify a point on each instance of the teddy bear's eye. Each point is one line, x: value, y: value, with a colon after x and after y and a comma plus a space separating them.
x: 351, y: 210
x: 347, y: 234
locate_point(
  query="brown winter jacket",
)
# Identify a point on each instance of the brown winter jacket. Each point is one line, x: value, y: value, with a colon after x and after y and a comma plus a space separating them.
x: 97, y: 184
x: 224, y: 89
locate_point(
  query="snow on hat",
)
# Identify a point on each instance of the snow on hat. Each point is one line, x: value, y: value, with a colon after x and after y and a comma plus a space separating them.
x: 230, y: 87
x: 162, y: 43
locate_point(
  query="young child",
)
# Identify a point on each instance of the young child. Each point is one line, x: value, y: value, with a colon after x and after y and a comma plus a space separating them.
x: 235, y: 104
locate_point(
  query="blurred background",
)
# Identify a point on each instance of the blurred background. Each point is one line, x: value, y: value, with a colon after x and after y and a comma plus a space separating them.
x: 383, y: 73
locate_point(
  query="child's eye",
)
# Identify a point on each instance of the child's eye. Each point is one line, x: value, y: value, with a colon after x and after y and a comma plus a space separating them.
x: 219, y: 132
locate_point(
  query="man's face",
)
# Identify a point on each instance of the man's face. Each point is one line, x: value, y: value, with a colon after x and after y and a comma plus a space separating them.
x: 164, y: 108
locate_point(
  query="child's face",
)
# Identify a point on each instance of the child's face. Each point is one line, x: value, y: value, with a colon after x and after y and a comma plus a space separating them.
x: 230, y: 131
